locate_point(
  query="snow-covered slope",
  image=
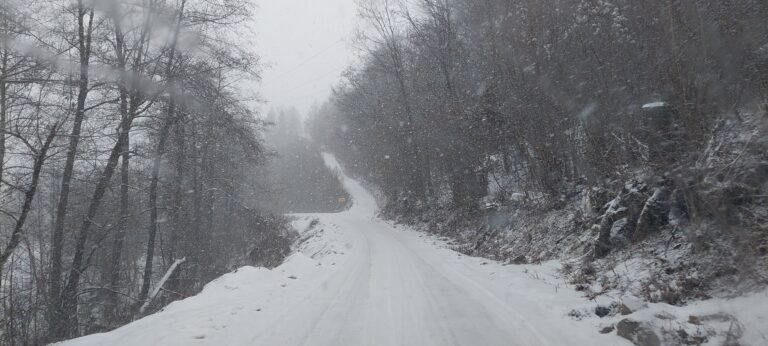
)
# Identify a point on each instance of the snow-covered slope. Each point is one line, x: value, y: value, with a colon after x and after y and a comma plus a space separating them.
x: 357, y: 280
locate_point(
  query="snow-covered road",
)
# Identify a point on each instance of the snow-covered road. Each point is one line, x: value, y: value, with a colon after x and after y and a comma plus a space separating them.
x: 358, y: 280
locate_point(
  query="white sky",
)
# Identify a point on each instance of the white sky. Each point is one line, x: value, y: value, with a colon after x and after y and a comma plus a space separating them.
x: 304, y: 45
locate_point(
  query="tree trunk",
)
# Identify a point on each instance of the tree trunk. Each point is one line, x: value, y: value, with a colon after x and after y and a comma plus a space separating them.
x: 56, y: 315
x: 159, y: 152
x: 111, y: 308
x: 29, y: 196
x: 3, y: 110
x: 197, y: 207
x: 178, y: 196
x: 40, y: 157
x: 128, y: 110
x: 79, y: 262
x: 119, y: 239
x: 210, y: 201
x: 153, y: 187
x: 178, y: 204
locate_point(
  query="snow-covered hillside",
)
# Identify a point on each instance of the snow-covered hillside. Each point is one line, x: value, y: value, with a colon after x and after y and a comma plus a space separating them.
x: 357, y: 280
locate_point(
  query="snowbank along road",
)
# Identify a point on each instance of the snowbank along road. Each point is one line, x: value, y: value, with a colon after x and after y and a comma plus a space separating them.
x: 358, y: 280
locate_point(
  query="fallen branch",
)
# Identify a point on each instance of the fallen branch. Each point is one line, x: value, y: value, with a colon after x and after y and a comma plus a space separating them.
x: 160, y: 284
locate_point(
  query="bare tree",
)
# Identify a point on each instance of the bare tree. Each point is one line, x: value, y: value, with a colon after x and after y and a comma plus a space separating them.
x: 56, y: 310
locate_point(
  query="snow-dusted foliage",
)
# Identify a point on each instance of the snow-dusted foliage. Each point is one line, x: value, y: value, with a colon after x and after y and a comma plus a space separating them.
x: 599, y: 133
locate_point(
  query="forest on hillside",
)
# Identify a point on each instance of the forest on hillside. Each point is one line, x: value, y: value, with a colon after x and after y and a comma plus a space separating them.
x: 533, y: 130
x: 127, y: 152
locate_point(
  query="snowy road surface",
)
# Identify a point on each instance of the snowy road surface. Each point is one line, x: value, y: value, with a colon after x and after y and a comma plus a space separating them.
x: 357, y: 280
